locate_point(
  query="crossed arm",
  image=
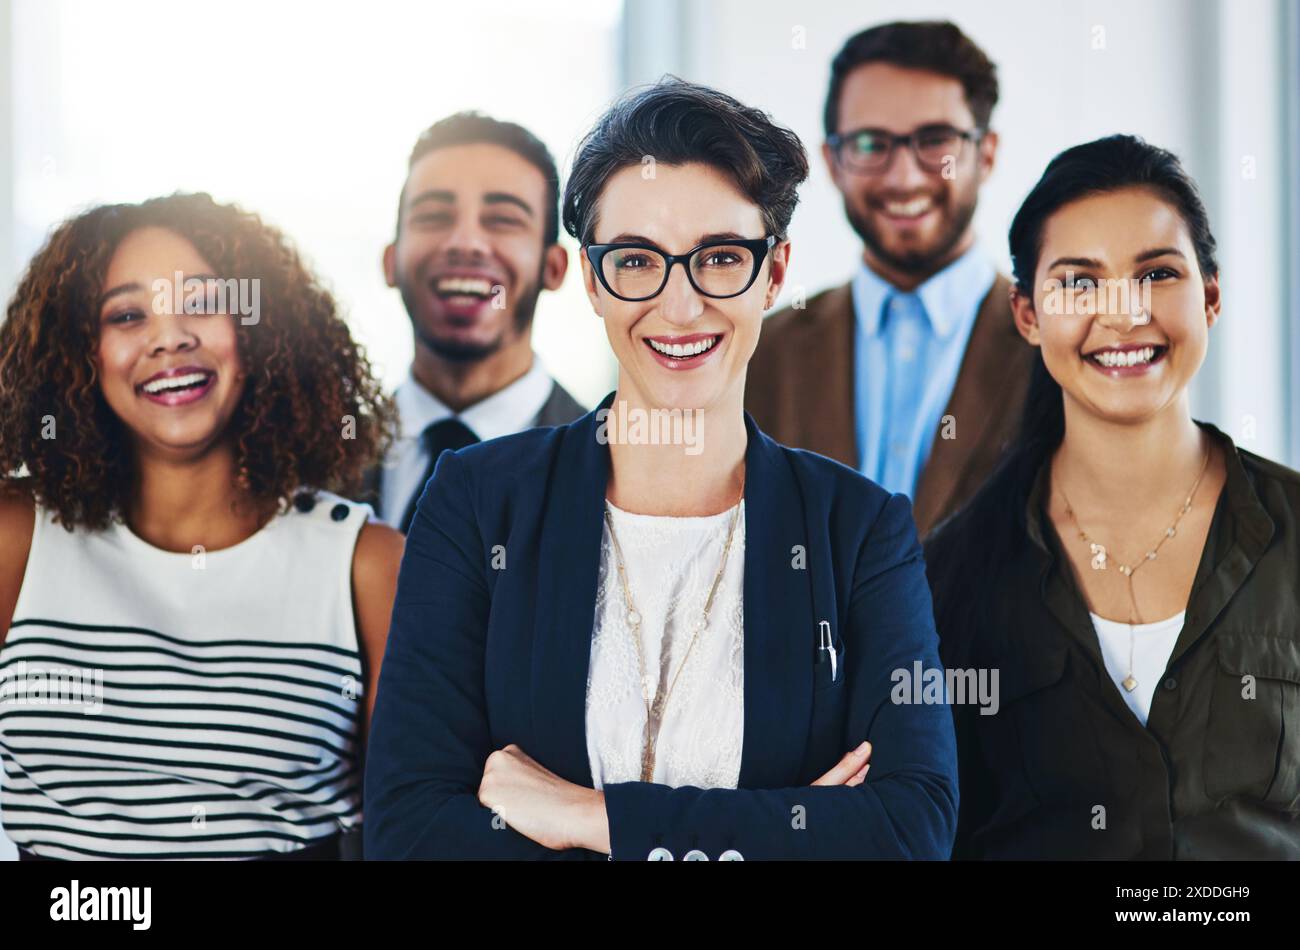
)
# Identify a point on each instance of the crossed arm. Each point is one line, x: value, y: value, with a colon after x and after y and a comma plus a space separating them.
x: 437, y: 788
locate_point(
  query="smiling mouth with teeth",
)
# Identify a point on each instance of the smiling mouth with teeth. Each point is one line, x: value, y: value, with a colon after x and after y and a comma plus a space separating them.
x: 1120, y: 359
x: 451, y: 287
x: 169, y: 384
x: 683, y: 351
x: 913, y: 208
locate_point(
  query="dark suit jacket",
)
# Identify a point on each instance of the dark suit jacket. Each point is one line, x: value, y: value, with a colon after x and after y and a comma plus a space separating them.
x: 800, y: 390
x: 481, y: 656
x: 558, y: 409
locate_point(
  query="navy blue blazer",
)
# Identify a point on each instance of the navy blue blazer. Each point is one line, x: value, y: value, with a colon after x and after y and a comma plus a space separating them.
x: 483, y: 654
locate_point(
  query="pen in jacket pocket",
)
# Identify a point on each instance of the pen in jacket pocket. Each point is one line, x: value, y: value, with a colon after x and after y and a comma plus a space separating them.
x: 827, y: 646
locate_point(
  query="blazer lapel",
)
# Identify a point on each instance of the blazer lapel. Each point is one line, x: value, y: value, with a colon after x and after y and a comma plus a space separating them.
x: 568, y: 575
x: 780, y: 629
x: 826, y: 364
x: 560, y: 408
x: 800, y: 379
x: 778, y: 609
x: 980, y: 403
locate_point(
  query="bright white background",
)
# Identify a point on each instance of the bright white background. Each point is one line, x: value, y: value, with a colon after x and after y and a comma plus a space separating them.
x: 306, y: 111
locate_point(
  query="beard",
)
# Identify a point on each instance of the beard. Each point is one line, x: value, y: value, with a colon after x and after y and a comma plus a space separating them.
x: 922, y: 261
x: 457, y: 351
x: 454, y: 351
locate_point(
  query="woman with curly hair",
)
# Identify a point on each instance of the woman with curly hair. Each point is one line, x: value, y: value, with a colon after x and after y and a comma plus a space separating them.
x: 191, y: 623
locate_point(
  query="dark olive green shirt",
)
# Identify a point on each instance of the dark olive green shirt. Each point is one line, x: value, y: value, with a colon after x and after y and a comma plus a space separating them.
x: 1064, y: 769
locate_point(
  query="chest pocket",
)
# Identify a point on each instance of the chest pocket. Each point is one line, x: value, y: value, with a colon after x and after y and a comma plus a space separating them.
x: 826, y: 740
x: 822, y: 668
x: 1252, y: 741
x: 1042, y: 729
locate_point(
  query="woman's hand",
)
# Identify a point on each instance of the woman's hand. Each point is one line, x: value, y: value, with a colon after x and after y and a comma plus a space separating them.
x: 850, y: 770
x: 540, y: 805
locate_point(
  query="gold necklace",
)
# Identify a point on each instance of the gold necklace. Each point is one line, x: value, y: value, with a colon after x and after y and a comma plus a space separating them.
x: 1099, y: 556
x: 654, y: 711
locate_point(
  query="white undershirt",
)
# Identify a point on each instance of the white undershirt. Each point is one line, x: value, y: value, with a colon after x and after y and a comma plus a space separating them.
x: 1152, y: 643
x: 671, y: 564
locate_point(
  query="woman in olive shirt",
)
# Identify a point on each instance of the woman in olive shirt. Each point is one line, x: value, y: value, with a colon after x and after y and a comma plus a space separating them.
x: 1131, y: 575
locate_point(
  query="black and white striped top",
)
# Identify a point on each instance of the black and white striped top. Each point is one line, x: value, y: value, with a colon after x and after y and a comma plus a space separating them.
x: 163, y: 705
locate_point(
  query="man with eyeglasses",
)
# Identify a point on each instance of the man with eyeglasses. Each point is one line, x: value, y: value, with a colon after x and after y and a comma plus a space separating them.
x: 913, y: 372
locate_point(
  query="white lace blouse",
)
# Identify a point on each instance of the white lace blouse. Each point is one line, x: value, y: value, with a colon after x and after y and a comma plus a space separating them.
x: 670, y: 563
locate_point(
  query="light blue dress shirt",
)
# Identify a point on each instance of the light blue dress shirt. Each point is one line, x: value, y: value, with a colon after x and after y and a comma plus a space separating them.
x: 908, y: 348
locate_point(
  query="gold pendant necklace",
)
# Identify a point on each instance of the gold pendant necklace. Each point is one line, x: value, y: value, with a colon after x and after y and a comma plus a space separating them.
x: 1100, y: 555
x: 655, y: 709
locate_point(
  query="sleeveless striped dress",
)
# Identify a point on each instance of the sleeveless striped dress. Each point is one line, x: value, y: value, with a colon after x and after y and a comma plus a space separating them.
x: 172, y: 706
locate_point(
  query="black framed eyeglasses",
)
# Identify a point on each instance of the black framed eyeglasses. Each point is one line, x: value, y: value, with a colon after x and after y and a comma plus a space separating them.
x: 718, y: 269
x: 871, y: 150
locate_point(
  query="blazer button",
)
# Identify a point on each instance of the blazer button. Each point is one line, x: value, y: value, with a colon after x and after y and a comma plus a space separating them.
x: 1171, y: 683
x: 659, y: 854
x: 304, y: 502
x: 731, y: 854
x: 339, y: 512
x: 695, y: 855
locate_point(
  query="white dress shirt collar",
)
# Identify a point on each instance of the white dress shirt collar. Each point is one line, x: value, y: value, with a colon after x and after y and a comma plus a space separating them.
x: 406, y: 466
x: 505, y: 411
x: 949, y: 299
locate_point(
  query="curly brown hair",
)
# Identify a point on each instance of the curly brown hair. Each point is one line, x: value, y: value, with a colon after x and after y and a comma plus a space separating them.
x: 306, y: 375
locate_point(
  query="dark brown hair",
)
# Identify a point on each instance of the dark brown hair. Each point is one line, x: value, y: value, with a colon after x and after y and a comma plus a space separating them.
x: 677, y: 122
x: 305, y: 374
x: 965, y: 554
x: 935, y: 46
x: 475, y: 128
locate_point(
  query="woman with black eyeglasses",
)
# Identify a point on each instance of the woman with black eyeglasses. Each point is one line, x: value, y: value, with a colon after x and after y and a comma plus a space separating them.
x: 654, y: 632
